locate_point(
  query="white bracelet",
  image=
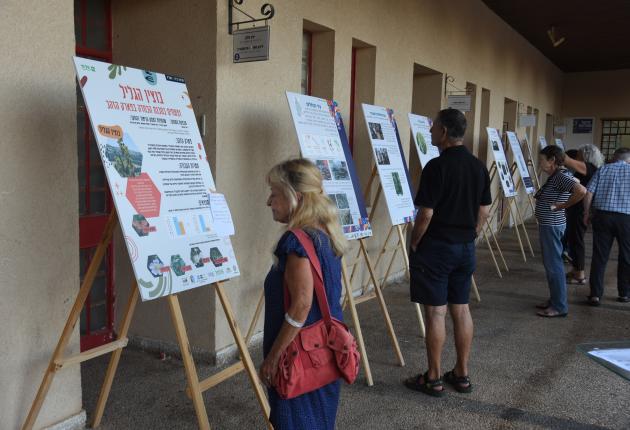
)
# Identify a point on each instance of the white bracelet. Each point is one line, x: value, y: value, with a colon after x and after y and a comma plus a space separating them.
x: 292, y: 322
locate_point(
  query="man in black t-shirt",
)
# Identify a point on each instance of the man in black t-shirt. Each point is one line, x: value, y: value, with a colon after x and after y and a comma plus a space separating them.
x: 454, y: 200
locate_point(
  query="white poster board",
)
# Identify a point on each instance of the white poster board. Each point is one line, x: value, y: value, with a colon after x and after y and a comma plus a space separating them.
x: 542, y: 142
x: 421, y: 132
x: 559, y: 143
x: 323, y: 140
x: 390, y: 162
x: 503, y: 168
x: 159, y: 177
x: 519, y: 159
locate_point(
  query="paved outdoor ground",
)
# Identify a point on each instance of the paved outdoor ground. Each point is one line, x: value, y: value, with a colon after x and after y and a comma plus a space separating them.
x: 525, y: 369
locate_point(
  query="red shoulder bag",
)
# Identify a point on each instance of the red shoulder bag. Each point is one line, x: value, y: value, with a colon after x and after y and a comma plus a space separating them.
x: 322, y: 352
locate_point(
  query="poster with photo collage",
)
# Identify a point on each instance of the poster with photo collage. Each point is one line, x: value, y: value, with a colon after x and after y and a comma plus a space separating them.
x: 521, y: 164
x: 323, y: 140
x: 390, y: 162
x: 503, y: 168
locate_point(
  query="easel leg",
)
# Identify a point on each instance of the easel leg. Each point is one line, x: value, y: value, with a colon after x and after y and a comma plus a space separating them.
x: 520, y: 218
x: 496, y: 264
x: 244, y: 352
x: 189, y: 364
x: 115, y: 358
x: 75, y: 312
x: 357, y: 326
x: 252, y: 325
x: 518, y: 232
x: 475, y: 290
x: 403, y: 246
x: 381, y: 299
x: 496, y: 243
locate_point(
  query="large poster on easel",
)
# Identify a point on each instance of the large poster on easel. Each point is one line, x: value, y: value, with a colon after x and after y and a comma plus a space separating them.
x: 519, y: 159
x: 559, y: 143
x: 390, y: 162
x: 501, y: 163
x: 175, y: 225
x: 323, y: 140
x: 421, y: 132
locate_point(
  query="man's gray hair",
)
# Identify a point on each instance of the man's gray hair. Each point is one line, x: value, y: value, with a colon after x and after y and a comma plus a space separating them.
x: 622, y: 154
x: 592, y: 154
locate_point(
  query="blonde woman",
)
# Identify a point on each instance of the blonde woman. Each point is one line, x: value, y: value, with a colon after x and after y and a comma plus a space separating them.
x: 297, y: 199
x: 586, y: 162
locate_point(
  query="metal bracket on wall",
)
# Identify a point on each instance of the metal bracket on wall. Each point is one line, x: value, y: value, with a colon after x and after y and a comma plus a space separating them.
x: 266, y: 10
x: 448, y: 82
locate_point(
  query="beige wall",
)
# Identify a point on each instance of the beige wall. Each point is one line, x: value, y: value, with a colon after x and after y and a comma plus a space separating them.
x: 39, y: 236
x: 254, y: 128
x: 602, y: 95
x: 151, y: 35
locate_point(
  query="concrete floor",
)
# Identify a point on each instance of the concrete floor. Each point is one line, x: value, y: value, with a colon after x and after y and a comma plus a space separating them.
x: 526, y: 370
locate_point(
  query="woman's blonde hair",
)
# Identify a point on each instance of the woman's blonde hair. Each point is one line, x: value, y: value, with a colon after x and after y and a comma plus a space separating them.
x: 314, y: 208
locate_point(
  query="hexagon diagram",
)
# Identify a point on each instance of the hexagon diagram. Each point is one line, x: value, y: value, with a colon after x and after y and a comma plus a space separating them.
x: 144, y: 195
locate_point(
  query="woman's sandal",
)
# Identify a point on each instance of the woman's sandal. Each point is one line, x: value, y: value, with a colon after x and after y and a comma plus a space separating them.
x: 571, y: 279
x: 460, y: 383
x: 432, y: 387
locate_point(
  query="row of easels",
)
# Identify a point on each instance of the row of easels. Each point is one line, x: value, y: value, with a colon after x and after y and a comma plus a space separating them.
x: 195, y: 388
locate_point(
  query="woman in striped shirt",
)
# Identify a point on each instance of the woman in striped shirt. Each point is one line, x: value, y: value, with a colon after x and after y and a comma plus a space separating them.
x: 558, y: 193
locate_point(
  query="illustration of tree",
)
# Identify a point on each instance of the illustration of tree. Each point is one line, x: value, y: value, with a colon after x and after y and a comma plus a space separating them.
x: 123, y: 162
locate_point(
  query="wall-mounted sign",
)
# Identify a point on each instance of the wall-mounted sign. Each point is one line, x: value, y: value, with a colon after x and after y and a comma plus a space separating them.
x: 459, y: 102
x: 251, y: 44
x: 527, y: 120
x: 559, y: 129
x: 582, y: 125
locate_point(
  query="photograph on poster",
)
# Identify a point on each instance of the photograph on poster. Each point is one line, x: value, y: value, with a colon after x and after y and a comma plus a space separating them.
x: 140, y: 225
x: 196, y: 257
x: 381, y: 156
x: 147, y: 137
x: 324, y: 169
x: 340, y: 170
x: 376, y: 131
x: 155, y: 265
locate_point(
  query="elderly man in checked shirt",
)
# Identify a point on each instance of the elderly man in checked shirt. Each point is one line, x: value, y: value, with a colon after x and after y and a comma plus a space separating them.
x: 608, y: 193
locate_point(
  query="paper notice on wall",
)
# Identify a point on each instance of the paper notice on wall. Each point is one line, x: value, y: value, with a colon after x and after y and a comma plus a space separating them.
x: 221, y: 215
x: 421, y: 132
x: 323, y: 140
x: 519, y: 159
x: 390, y: 162
x: 149, y: 143
x: 501, y: 163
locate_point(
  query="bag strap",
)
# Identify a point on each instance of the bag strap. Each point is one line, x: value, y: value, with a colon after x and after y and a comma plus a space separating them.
x: 316, y: 270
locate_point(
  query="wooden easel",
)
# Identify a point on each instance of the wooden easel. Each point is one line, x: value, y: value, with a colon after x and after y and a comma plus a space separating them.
x: 400, y: 245
x: 494, y: 209
x: 195, y: 387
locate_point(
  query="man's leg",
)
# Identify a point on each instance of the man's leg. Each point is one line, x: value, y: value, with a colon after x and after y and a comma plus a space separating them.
x: 435, y: 337
x: 602, y: 242
x: 463, y: 327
